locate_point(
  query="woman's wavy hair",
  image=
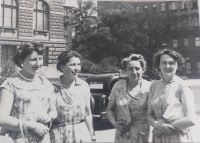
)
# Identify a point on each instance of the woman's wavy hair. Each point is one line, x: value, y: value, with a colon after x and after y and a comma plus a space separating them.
x: 64, y: 57
x: 134, y: 57
x: 25, y: 50
x: 175, y: 55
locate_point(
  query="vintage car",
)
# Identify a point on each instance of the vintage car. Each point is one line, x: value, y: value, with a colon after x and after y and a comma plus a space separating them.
x: 100, y: 87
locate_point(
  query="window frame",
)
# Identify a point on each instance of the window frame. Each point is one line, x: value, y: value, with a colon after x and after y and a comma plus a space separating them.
x: 47, y: 13
x: 162, y: 7
x: 175, y: 43
x: 186, y: 42
x: 3, y: 6
x: 173, y: 6
x: 188, y: 68
x: 197, y: 41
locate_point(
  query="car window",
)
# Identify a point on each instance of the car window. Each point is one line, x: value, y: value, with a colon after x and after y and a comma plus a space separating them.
x: 96, y: 85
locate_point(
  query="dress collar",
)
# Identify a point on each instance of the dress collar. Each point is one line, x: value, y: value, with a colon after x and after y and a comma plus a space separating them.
x: 172, y: 80
x: 59, y: 82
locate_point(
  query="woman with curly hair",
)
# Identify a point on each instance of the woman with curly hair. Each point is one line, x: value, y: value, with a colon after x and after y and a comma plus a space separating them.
x: 171, y: 108
x: 27, y: 98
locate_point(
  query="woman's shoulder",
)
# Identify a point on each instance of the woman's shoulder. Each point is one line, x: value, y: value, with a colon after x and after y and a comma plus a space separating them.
x: 181, y: 82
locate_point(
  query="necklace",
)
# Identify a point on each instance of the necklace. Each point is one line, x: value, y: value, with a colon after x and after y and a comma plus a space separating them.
x: 28, y: 79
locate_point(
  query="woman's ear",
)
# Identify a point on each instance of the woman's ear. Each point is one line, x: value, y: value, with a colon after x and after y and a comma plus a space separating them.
x: 61, y: 67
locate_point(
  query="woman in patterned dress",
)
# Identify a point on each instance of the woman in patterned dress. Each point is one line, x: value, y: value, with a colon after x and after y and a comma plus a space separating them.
x: 127, y: 105
x: 27, y: 98
x: 171, y: 104
x: 74, y: 121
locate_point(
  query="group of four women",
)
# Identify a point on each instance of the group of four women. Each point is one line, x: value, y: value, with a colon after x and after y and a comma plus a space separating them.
x: 61, y: 113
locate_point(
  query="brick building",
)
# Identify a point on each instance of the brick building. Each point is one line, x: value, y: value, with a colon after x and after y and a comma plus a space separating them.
x: 33, y: 20
x: 189, y: 42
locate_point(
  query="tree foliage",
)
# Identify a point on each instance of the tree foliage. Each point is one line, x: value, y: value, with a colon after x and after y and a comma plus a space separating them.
x: 119, y: 32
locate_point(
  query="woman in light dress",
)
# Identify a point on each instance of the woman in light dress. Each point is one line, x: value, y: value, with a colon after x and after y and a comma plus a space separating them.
x: 171, y: 108
x: 27, y: 98
x: 127, y: 107
x: 72, y: 100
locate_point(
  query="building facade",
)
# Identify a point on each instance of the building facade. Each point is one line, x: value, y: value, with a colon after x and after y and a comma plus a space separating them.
x: 33, y: 21
x: 189, y: 42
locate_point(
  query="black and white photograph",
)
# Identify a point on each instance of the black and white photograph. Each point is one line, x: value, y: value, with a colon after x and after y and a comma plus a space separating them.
x: 74, y: 71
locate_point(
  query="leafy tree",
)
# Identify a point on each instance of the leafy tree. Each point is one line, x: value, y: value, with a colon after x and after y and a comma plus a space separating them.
x: 118, y: 32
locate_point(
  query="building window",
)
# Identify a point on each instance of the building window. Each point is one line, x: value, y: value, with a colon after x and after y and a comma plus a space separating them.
x: 183, y: 5
x: 175, y: 43
x: 137, y: 8
x: 186, y: 42
x: 9, y: 13
x: 154, y: 7
x: 185, y: 23
x: 172, y: 6
x: 146, y: 8
x: 41, y: 16
x: 188, y: 65
x: 194, y: 4
x: 197, y: 41
x: 198, y: 65
x: 162, y: 7
x: 196, y: 22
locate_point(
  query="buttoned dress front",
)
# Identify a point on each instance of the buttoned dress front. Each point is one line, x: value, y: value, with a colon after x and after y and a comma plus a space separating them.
x: 68, y: 126
x: 137, y: 108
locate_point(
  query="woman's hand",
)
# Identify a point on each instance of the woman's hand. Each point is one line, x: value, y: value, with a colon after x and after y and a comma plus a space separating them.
x: 44, y: 118
x: 165, y: 128
x: 40, y: 129
x: 119, y: 125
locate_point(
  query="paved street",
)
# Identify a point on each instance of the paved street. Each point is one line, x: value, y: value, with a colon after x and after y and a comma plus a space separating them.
x: 105, y: 132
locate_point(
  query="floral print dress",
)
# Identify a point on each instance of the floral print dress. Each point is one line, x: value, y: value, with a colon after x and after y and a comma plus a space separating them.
x: 161, y: 95
x: 69, y: 125
x: 31, y: 99
x: 137, y: 108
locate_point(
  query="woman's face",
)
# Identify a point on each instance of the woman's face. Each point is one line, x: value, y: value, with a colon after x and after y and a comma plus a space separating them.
x: 134, y: 70
x: 72, y: 67
x: 168, y: 66
x: 32, y: 63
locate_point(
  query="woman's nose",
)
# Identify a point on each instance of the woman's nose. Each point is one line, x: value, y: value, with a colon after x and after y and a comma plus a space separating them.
x: 167, y: 65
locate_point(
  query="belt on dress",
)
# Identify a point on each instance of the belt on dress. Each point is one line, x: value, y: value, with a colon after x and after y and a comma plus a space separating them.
x: 71, y: 123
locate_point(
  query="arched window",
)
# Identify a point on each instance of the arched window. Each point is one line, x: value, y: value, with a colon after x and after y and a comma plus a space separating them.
x: 188, y: 65
x: 9, y: 13
x: 41, y: 16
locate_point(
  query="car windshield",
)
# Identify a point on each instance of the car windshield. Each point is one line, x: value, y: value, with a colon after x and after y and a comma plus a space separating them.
x: 96, y: 85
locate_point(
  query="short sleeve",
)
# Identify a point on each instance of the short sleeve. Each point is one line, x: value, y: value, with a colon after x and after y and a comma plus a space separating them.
x: 113, y: 95
x: 87, y: 92
x: 7, y: 85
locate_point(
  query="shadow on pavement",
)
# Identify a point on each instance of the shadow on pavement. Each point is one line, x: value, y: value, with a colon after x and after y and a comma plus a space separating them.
x: 102, y: 125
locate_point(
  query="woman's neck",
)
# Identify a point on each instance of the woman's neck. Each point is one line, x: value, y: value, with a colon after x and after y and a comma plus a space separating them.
x: 168, y: 78
x: 27, y: 75
x: 133, y: 83
x: 67, y: 81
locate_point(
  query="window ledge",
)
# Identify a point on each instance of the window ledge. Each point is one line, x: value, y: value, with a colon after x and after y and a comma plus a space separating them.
x: 41, y: 31
x: 11, y: 28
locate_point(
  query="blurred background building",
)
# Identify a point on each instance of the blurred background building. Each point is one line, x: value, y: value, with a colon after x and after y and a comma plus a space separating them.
x: 188, y: 43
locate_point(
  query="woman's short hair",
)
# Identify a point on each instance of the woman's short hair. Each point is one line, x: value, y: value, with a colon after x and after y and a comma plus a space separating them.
x: 175, y: 55
x: 64, y: 57
x: 134, y: 57
x: 25, y: 50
